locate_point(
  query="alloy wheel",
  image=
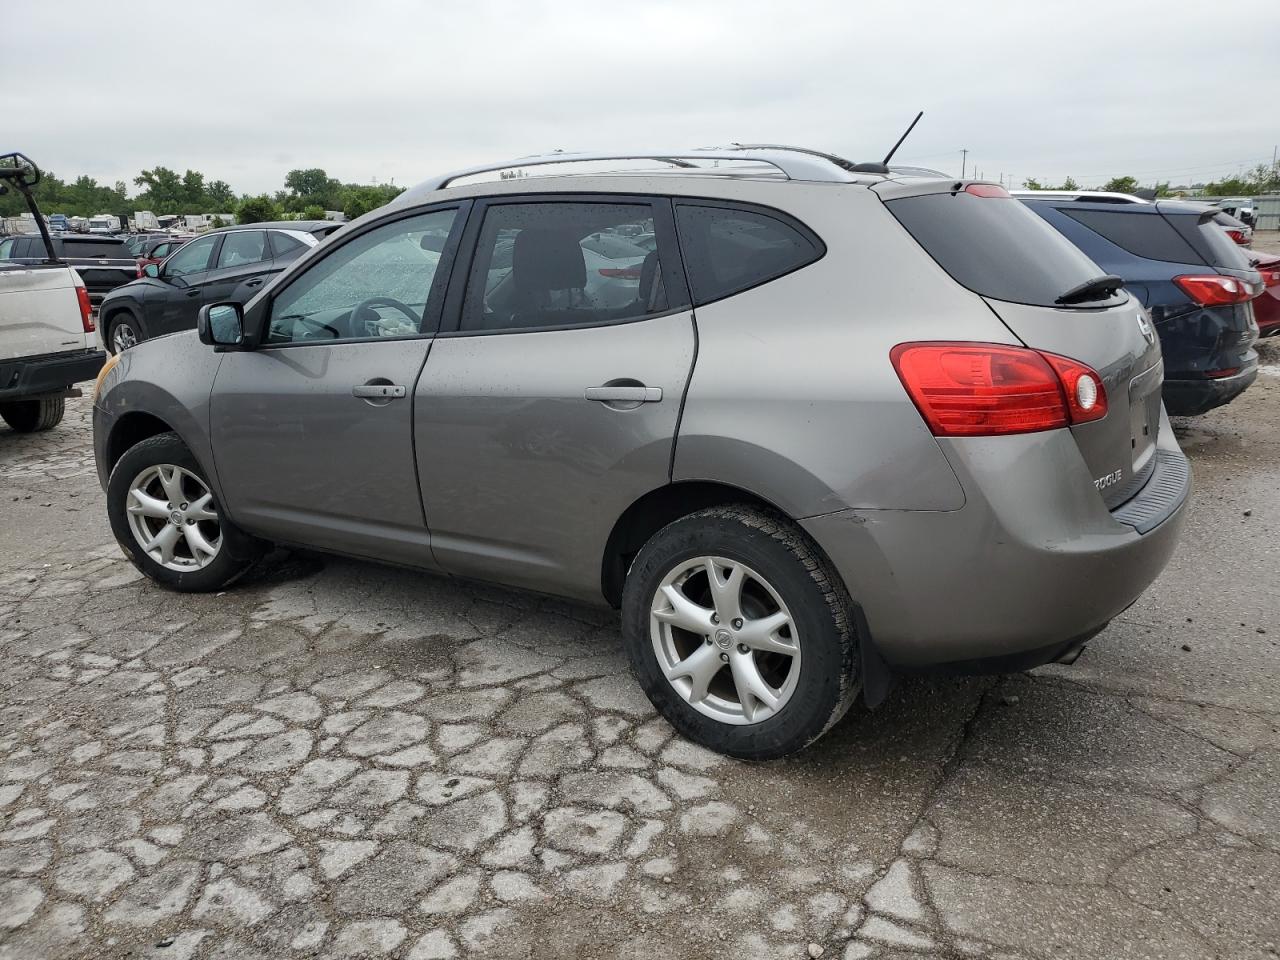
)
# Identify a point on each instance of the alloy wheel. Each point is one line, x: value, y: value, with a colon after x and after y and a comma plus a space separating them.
x: 725, y: 640
x: 172, y: 516
x: 123, y: 337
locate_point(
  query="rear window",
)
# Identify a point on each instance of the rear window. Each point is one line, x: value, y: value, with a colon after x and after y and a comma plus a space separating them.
x: 998, y: 248
x: 1144, y: 235
x: 728, y: 249
x: 1209, y: 240
x: 94, y: 247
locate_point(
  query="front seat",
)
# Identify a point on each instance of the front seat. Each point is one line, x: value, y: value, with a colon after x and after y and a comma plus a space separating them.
x: 546, y: 261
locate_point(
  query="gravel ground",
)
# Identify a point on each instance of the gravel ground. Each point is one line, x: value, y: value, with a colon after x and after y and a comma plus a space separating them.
x: 336, y: 759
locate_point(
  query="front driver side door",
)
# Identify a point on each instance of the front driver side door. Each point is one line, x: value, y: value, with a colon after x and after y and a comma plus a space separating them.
x: 183, y: 274
x: 312, y: 429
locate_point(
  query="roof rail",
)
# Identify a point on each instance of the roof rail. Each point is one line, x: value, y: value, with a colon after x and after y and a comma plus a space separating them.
x: 794, y: 163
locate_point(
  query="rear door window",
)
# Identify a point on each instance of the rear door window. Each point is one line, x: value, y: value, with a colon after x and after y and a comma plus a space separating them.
x: 998, y: 248
x: 283, y: 245
x: 728, y: 249
x: 563, y: 264
x: 1146, y: 235
x: 241, y: 247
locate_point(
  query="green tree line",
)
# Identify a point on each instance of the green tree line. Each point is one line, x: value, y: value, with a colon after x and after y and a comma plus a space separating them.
x: 1263, y: 178
x: 306, y: 194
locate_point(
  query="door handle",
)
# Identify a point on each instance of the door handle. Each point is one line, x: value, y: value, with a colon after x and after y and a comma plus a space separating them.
x: 193, y: 293
x: 253, y: 283
x: 378, y: 391
x: 624, y: 394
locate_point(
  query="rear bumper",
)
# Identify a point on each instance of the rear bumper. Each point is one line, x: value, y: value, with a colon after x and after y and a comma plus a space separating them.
x: 33, y: 376
x: 1189, y: 398
x: 1029, y: 568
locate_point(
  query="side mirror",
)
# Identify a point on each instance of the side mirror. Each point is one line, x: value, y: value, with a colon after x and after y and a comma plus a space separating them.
x: 221, y: 324
x: 151, y: 270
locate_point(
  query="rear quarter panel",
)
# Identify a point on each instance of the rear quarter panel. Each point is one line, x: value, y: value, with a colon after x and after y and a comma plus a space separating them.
x: 793, y: 396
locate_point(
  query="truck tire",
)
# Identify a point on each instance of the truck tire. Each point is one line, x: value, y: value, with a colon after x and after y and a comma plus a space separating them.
x: 29, y: 416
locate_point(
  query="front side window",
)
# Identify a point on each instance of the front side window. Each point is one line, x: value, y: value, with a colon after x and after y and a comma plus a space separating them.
x: 376, y: 285
x: 193, y: 258
x: 241, y: 247
x: 554, y: 264
x: 728, y: 250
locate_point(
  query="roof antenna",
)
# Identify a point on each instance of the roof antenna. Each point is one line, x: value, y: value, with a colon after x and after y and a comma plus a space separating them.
x: 883, y: 165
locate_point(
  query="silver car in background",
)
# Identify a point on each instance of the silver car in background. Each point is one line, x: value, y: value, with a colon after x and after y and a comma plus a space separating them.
x: 831, y: 425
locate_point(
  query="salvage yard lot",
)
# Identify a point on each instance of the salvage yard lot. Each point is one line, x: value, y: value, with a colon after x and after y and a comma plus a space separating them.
x: 338, y: 759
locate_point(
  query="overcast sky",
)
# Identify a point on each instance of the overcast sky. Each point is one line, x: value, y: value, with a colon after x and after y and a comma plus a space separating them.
x: 245, y: 91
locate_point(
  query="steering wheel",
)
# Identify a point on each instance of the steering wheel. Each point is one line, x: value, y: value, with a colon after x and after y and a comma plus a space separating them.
x: 363, y: 305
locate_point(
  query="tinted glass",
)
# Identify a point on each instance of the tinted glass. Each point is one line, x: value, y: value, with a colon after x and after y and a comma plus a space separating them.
x: 1209, y: 240
x: 243, y: 246
x: 192, y: 258
x: 377, y: 285
x: 998, y: 248
x: 1144, y: 235
x: 284, y: 245
x: 728, y: 250
x: 94, y: 247
x: 541, y: 265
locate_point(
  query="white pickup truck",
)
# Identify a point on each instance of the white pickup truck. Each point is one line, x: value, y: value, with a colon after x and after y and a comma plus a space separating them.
x: 47, y: 339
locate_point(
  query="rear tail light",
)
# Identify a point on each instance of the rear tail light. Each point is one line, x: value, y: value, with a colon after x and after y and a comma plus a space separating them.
x: 620, y: 273
x: 1270, y: 276
x: 1238, y: 236
x: 86, y: 309
x: 1215, y: 290
x: 989, y: 389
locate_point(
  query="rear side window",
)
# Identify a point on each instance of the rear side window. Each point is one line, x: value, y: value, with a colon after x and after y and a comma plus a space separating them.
x: 1143, y: 235
x: 283, y: 245
x: 562, y: 264
x: 728, y: 250
x: 241, y: 247
x: 998, y: 248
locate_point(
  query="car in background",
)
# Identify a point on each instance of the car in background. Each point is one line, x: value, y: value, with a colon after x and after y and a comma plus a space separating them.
x: 1239, y: 231
x: 1266, y: 307
x: 157, y: 249
x: 1239, y: 207
x: 104, y: 263
x: 1195, y: 283
x: 231, y: 263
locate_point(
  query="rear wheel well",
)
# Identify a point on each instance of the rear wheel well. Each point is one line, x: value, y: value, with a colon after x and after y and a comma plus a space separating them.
x: 655, y: 510
x: 132, y: 429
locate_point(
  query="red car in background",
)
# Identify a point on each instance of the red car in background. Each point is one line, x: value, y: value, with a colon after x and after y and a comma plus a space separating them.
x: 1266, y: 306
x: 156, y: 249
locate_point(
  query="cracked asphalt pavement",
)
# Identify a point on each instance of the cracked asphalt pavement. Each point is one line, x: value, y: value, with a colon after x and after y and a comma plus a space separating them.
x: 336, y: 759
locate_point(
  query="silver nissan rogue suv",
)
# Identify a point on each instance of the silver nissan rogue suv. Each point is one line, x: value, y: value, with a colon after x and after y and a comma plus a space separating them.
x: 808, y: 424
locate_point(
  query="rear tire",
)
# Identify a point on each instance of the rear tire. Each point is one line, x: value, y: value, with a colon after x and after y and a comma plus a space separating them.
x: 167, y: 522
x: 789, y: 627
x: 30, y: 416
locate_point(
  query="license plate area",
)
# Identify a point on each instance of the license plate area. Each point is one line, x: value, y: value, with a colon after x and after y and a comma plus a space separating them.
x: 1144, y: 414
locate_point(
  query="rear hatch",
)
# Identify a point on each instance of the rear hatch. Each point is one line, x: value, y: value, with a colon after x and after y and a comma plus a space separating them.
x: 103, y: 263
x: 1023, y: 269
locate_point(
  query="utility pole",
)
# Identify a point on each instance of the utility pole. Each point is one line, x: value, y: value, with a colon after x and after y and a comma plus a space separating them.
x: 964, y: 155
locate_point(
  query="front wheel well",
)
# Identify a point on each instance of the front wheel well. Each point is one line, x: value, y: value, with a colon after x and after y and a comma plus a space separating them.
x: 130, y: 430
x: 655, y: 510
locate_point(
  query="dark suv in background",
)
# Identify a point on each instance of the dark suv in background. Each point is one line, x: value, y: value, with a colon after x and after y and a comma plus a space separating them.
x: 103, y: 263
x: 230, y: 264
x: 1194, y: 281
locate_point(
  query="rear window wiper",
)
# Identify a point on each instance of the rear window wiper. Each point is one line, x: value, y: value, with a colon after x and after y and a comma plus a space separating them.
x: 1099, y: 288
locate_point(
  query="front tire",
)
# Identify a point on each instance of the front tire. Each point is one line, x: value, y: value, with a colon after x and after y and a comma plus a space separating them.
x: 123, y: 332
x: 165, y: 517
x: 30, y: 416
x: 739, y: 632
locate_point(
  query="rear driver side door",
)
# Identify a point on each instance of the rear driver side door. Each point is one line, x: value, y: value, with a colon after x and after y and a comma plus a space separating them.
x: 552, y: 404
